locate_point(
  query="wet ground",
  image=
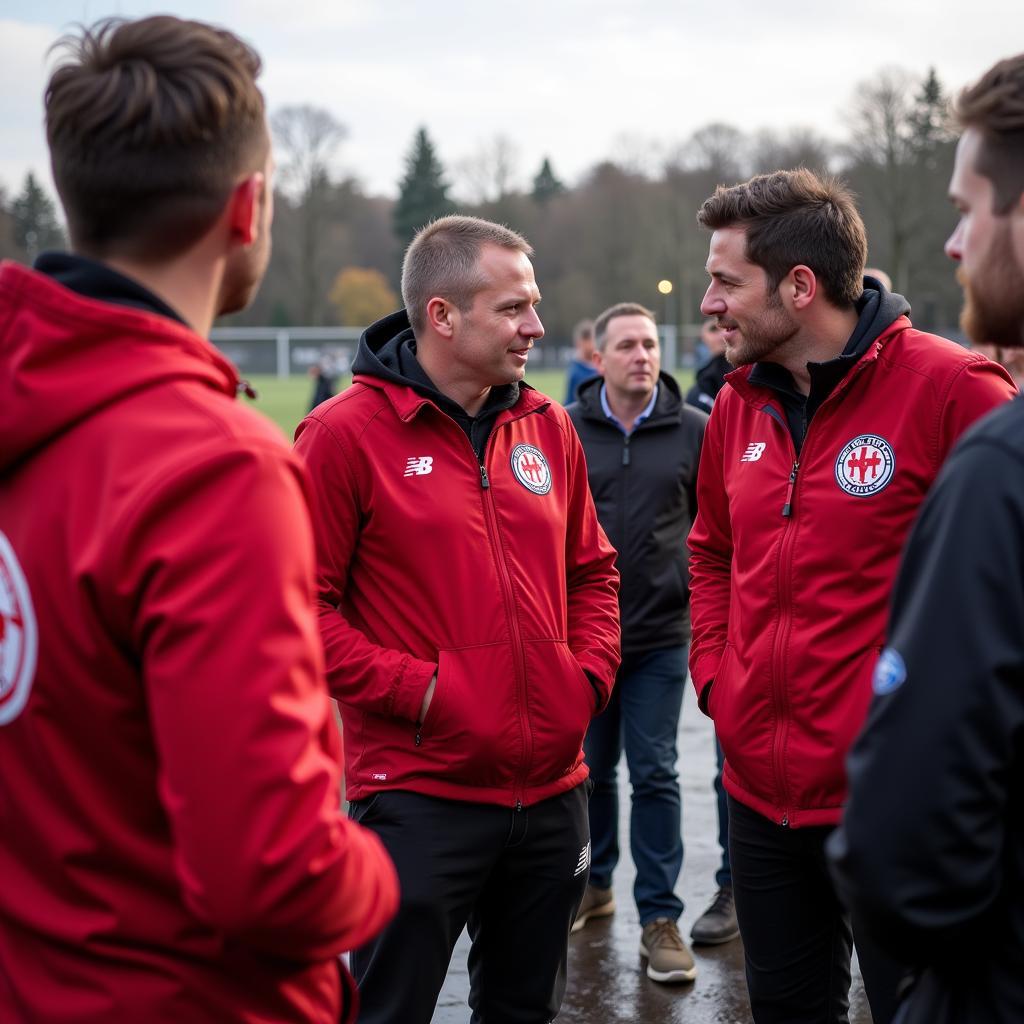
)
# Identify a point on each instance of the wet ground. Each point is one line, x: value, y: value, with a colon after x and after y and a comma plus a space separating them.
x: 606, y: 980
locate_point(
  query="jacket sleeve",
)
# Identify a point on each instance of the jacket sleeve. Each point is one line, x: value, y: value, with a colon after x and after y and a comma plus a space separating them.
x: 977, y: 388
x: 592, y: 581
x: 213, y: 570
x: 360, y: 673
x: 710, y: 544
x: 921, y: 851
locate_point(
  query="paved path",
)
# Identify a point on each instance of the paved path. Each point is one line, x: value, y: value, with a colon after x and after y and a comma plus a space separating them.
x: 606, y: 982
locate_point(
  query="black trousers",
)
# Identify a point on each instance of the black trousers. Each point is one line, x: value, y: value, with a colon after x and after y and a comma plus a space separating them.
x: 515, y: 878
x: 797, y: 937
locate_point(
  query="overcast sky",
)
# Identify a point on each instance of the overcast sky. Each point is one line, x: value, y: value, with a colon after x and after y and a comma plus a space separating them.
x: 577, y: 80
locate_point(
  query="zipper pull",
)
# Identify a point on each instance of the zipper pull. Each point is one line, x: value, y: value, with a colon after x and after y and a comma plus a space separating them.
x: 247, y: 389
x: 787, y: 509
x: 419, y: 738
x: 519, y: 805
x: 485, y: 483
x: 625, y: 451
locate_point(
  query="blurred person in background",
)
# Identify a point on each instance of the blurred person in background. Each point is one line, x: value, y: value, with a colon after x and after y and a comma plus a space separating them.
x: 643, y: 446
x: 581, y: 366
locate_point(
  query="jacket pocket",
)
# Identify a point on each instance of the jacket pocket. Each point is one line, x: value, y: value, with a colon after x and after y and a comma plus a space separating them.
x: 560, y: 702
x: 719, y: 683
x: 470, y: 734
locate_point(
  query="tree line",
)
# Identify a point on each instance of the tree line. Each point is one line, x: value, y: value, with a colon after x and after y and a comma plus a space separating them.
x: 629, y: 223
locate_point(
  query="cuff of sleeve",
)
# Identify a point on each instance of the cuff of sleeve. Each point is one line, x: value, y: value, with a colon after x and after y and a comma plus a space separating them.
x: 412, y: 688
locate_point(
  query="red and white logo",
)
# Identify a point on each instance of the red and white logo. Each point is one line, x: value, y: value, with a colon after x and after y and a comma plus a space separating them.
x: 531, y: 468
x: 419, y: 465
x: 865, y: 465
x: 18, y: 636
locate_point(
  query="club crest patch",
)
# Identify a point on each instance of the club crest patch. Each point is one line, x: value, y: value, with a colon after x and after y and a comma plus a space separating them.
x: 531, y: 468
x: 18, y: 636
x: 865, y: 465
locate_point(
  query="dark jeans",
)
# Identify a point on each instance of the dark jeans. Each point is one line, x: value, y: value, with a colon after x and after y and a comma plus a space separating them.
x: 797, y: 938
x: 643, y: 718
x: 514, y: 878
x: 723, y: 876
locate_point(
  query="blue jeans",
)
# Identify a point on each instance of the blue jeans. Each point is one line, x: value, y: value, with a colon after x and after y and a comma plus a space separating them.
x: 643, y: 718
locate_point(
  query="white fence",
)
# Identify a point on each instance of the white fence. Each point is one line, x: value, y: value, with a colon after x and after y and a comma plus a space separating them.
x: 284, y: 351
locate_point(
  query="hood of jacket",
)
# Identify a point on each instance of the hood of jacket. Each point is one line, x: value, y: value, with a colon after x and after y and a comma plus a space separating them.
x: 66, y: 356
x: 668, y: 404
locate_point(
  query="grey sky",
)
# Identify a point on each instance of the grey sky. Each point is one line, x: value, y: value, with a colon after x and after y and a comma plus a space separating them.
x: 577, y: 80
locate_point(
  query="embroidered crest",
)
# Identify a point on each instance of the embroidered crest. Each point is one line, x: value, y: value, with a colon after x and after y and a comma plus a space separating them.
x: 531, y: 468
x: 865, y: 465
x: 18, y: 636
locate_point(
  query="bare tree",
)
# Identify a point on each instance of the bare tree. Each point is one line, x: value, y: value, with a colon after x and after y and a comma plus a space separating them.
x: 491, y: 172
x: 307, y: 138
x: 798, y: 147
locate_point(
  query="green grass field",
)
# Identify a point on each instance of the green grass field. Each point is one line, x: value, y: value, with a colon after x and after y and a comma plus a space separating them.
x: 286, y: 400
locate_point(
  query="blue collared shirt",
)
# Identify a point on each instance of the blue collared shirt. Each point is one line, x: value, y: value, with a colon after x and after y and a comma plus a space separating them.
x: 636, y: 423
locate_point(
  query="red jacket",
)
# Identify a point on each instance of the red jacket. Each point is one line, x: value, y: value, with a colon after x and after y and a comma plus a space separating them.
x: 789, y: 611
x: 172, y: 847
x: 507, y: 592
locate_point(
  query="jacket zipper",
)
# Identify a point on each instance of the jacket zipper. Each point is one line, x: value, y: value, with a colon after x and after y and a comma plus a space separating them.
x: 785, y: 561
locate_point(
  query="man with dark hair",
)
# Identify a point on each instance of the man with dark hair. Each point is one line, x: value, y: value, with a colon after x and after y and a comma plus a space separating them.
x: 173, y: 846
x: 643, y: 446
x: 581, y: 366
x: 468, y: 609
x: 816, y: 458
x: 930, y: 853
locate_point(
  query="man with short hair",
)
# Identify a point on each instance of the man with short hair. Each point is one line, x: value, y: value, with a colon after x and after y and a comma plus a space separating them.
x: 816, y: 457
x: 930, y: 853
x: 173, y: 847
x: 710, y: 376
x: 469, y: 614
x: 581, y: 366
x: 643, y: 446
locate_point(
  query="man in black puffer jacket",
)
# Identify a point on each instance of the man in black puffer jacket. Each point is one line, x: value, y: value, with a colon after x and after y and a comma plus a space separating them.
x: 642, y: 446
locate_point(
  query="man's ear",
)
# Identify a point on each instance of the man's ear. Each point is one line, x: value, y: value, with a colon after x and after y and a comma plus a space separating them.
x: 801, y: 286
x: 244, y: 209
x: 441, y: 316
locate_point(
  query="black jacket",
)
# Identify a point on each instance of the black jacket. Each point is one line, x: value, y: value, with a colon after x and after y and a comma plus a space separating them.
x: 709, y: 380
x: 930, y: 855
x: 644, y: 487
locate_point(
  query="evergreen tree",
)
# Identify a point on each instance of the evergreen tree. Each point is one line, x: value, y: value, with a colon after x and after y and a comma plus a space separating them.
x: 423, y: 192
x: 546, y: 185
x: 35, y: 220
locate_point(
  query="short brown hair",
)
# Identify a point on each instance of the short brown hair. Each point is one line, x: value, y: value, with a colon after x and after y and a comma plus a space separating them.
x: 151, y: 124
x: 793, y: 217
x: 442, y: 260
x: 619, y: 309
x: 995, y: 107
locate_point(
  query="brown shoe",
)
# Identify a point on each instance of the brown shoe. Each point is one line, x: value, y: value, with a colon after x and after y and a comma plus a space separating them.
x: 668, y: 959
x: 596, y: 903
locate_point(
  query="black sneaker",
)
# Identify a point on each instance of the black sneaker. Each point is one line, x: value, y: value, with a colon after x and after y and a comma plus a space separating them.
x: 718, y: 923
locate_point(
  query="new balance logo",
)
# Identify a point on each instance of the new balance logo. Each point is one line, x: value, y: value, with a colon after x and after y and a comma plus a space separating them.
x: 419, y: 466
x: 584, y: 862
x: 754, y: 451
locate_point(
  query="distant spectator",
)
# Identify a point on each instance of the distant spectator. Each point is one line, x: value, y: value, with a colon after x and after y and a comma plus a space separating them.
x: 325, y: 374
x: 880, y: 276
x: 582, y: 366
x: 710, y: 376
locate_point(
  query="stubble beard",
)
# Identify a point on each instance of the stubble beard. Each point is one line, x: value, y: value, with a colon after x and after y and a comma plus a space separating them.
x: 763, y: 336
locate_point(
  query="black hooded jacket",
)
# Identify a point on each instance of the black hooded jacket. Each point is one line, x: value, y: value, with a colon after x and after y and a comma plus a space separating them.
x: 645, y: 489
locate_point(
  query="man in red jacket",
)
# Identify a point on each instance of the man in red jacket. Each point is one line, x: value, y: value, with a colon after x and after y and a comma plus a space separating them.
x: 173, y: 847
x: 817, y: 455
x: 468, y: 605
